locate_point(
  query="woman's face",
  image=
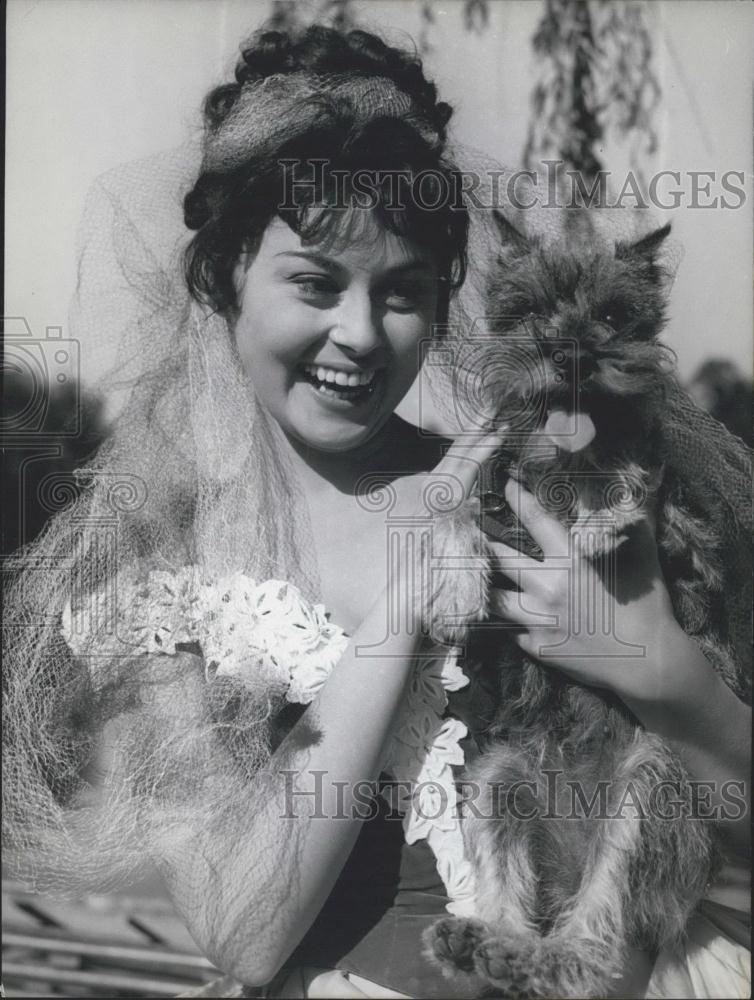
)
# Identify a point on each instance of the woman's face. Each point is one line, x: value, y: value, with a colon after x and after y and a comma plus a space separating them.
x: 330, y: 337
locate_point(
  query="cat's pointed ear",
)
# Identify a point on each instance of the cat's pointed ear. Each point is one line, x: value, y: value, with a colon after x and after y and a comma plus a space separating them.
x: 513, y: 242
x: 646, y: 247
x: 660, y: 259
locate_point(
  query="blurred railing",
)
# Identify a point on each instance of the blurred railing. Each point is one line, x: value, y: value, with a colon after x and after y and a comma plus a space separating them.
x: 101, y: 946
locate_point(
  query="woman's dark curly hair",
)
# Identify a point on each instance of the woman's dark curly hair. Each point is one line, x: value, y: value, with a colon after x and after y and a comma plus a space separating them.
x: 229, y: 210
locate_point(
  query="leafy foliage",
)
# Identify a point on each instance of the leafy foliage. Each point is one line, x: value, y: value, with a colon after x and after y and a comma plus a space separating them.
x: 596, y: 80
x: 476, y: 14
x: 340, y: 14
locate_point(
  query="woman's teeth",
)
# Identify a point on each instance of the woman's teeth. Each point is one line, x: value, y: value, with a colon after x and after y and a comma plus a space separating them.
x: 332, y: 375
x: 339, y: 384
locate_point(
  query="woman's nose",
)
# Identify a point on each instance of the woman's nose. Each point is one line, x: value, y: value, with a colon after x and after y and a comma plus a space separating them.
x: 356, y: 325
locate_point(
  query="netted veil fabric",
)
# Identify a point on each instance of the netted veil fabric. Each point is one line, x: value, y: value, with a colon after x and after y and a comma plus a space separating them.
x: 113, y: 758
x: 281, y: 107
x: 191, y: 475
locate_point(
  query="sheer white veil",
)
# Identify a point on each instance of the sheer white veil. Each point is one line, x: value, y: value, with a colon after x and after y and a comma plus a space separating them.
x: 191, y: 475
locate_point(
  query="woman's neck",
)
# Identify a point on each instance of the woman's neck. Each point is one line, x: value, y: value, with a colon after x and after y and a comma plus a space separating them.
x: 396, y: 448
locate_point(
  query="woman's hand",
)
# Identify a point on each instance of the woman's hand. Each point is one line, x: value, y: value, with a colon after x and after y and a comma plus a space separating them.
x: 423, y: 496
x: 607, y: 622
x: 613, y: 627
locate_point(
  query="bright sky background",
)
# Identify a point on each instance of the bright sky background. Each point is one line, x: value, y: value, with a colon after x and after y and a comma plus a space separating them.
x: 91, y: 83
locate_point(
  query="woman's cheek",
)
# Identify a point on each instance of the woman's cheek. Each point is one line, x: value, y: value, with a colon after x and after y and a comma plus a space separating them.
x: 409, y: 333
x: 282, y: 333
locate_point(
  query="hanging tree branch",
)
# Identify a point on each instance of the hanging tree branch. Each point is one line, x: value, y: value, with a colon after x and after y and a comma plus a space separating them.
x: 596, y: 80
x: 285, y: 14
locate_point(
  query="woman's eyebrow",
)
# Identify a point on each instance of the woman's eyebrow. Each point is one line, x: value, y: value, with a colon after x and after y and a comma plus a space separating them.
x: 330, y: 263
x: 313, y: 257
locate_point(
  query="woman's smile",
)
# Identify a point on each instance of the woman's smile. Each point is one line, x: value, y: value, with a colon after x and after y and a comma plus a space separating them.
x: 349, y: 386
x: 330, y: 336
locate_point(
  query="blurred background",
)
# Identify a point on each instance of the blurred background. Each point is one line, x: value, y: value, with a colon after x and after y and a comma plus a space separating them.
x: 628, y: 87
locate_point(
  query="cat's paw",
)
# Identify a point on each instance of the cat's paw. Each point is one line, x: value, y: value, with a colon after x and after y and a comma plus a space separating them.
x: 569, y: 967
x: 457, y: 595
x: 453, y: 941
x: 508, y: 965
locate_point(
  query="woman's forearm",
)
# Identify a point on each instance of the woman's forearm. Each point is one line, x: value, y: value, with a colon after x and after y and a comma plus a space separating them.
x: 248, y: 901
x: 696, y: 711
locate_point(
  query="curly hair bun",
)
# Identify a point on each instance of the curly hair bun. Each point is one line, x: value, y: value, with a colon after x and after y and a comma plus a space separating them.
x: 317, y: 96
x: 323, y: 51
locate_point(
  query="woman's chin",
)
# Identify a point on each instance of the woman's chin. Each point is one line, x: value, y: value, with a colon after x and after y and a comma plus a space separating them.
x: 333, y: 424
x: 334, y: 439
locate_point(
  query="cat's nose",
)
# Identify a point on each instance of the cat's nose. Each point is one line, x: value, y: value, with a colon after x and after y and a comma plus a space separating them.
x: 574, y: 361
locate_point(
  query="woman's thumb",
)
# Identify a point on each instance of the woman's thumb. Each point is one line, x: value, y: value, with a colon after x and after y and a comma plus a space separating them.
x: 467, y: 455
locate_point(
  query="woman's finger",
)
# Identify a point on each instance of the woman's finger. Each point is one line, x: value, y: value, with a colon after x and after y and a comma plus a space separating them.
x: 509, y: 561
x: 509, y: 605
x: 466, y: 456
x: 545, y: 529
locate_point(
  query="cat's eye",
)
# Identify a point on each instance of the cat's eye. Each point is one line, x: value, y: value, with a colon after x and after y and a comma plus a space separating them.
x: 511, y: 321
x: 613, y: 314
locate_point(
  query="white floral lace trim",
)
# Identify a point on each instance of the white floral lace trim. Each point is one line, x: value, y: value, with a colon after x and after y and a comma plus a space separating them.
x: 424, y: 746
x: 245, y: 629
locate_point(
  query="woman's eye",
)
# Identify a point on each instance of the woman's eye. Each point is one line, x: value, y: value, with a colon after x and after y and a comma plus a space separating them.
x: 315, y: 286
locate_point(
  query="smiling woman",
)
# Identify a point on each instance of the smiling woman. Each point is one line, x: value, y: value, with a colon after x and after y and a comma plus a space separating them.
x: 292, y: 252
x: 348, y: 327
